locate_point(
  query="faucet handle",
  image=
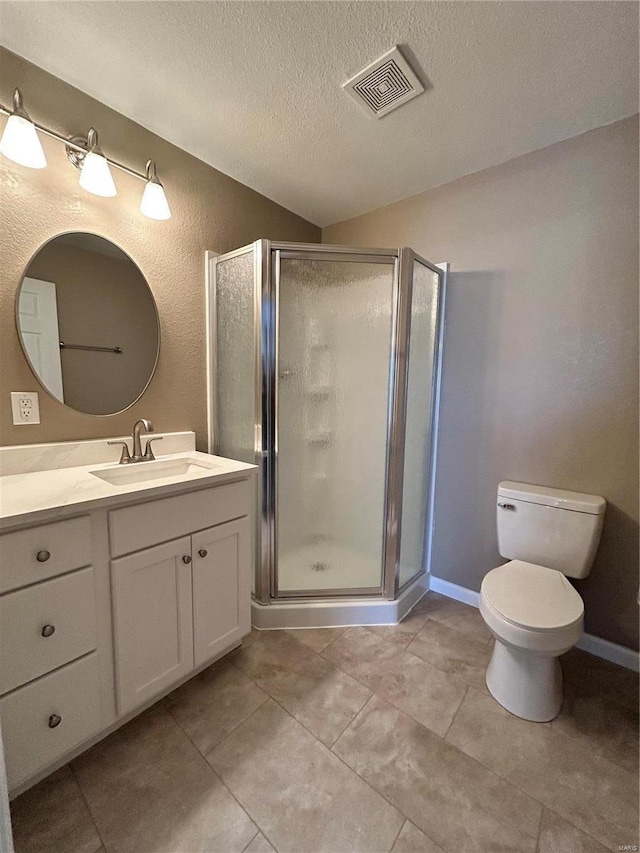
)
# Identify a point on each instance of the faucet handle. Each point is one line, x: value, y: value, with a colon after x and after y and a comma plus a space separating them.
x: 148, y: 451
x: 125, y: 457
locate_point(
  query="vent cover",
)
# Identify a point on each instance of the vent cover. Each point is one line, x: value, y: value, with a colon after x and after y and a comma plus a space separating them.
x: 384, y: 85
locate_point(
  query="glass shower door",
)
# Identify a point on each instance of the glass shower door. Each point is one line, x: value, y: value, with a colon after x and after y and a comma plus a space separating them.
x: 333, y: 360
x: 419, y: 424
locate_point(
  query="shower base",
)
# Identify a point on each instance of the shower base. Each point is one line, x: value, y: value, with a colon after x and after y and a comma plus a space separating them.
x: 327, y: 565
x: 336, y: 613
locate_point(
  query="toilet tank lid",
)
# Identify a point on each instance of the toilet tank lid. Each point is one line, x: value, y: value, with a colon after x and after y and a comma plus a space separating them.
x: 576, y: 501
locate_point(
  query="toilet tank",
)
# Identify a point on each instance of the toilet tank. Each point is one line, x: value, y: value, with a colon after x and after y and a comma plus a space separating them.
x: 549, y: 527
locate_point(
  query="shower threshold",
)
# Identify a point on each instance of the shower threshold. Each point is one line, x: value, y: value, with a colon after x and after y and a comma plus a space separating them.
x: 338, y: 613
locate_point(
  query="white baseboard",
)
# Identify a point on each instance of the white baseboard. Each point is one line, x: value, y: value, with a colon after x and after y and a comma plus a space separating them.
x: 594, y: 645
x: 610, y: 651
x: 452, y: 590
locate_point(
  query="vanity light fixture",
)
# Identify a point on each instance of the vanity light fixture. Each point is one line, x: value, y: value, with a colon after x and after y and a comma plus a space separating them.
x: 95, y: 174
x: 154, y: 202
x: 20, y: 143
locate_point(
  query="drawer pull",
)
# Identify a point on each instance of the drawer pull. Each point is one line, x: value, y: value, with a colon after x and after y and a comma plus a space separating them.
x: 54, y: 720
x: 42, y: 556
x: 186, y: 559
x: 48, y: 630
x: 203, y: 552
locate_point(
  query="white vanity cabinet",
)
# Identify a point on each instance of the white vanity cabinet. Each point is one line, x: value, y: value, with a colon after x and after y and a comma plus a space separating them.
x: 177, y: 606
x: 152, y: 621
x: 181, y: 603
x: 50, y: 694
x: 221, y: 588
x: 103, y: 613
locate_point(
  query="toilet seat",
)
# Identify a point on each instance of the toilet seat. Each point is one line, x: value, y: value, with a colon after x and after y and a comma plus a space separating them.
x: 532, y: 597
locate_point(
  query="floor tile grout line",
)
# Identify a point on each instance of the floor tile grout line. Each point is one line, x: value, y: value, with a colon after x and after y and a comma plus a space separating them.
x: 453, y: 719
x: 539, y: 830
x: 331, y: 663
x: 324, y: 745
x: 85, y: 799
x: 254, y: 837
x: 517, y: 787
x: 216, y: 776
x: 352, y: 721
x: 184, y: 731
x: 373, y: 788
x: 575, y: 826
x: 330, y: 749
x: 319, y: 653
x: 395, y: 840
x: 448, y: 743
x: 399, y: 649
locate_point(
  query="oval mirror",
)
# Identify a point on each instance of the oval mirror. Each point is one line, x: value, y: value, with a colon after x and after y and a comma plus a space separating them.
x: 88, y: 323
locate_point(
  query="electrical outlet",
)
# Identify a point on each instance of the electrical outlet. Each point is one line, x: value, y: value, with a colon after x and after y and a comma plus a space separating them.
x: 25, y: 408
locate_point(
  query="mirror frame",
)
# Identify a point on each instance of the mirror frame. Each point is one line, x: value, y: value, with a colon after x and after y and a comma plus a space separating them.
x: 24, y: 349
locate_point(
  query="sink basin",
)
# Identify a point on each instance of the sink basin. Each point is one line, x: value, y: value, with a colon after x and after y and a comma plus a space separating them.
x: 141, y: 472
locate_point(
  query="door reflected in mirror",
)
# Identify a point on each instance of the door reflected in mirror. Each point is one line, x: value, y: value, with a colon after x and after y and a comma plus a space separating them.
x: 88, y: 323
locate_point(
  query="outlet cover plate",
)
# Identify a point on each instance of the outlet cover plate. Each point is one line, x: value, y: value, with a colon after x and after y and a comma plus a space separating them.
x: 25, y: 408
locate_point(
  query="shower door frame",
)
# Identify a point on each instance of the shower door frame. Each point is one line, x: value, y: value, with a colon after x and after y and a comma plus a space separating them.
x: 267, y: 273
x: 340, y: 254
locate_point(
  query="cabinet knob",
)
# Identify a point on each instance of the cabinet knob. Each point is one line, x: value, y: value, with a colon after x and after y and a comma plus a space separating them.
x: 203, y: 552
x: 54, y: 720
x: 42, y: 556
x: 186, y: 559
x: 48, y: 630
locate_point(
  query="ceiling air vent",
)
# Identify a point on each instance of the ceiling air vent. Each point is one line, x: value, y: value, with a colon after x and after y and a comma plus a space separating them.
x: 384, y: 85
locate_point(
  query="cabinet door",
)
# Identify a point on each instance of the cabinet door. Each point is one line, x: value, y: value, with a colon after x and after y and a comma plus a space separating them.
x: 221, y: 588
x: 153, y: 621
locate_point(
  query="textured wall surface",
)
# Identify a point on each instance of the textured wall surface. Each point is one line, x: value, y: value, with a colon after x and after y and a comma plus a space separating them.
x: 210, y: 212
x: 255, y: 89
x: 540, y: 376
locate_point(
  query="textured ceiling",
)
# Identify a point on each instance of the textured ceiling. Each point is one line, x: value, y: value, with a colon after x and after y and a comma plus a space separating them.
x: 254, y: 88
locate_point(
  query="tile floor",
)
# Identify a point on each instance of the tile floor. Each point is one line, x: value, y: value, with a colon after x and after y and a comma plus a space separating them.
x: 335, y: 740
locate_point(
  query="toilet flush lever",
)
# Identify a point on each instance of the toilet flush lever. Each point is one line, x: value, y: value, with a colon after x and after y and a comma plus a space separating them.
x: 503, y: 505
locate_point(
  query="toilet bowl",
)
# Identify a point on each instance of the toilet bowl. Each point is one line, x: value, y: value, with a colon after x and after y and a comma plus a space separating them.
x: 528, y: 604
x: 535, y: 616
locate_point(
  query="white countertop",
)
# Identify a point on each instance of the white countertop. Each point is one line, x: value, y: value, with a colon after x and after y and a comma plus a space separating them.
x: 38, y: 496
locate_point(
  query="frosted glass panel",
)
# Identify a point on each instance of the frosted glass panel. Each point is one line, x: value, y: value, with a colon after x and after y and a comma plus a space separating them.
x: 235, y: 357
x: 420, y: 390
x: 334, y: 352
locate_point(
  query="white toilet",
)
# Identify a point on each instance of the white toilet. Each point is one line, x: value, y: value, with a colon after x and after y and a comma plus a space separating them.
x: 528, y: 604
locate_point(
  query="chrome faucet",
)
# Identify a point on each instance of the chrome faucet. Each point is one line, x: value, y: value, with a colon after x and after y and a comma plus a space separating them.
x: 137, y: 455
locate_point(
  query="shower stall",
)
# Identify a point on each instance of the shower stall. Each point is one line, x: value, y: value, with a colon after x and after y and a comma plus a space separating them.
x: 326, y: 362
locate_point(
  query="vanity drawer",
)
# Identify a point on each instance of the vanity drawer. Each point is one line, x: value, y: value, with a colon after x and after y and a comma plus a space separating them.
x: 67, y: 605
x: 136, y: 527
x: 61, y: 547
x: 33, y: 737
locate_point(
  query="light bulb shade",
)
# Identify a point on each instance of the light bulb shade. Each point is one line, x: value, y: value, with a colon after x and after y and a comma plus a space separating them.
x: 95, y: 176
x: 20, y: 143
x: 154, y: 202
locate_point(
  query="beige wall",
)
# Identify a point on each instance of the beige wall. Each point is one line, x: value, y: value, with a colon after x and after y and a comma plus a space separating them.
x: 540, y: 372
x: 210, y: 211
